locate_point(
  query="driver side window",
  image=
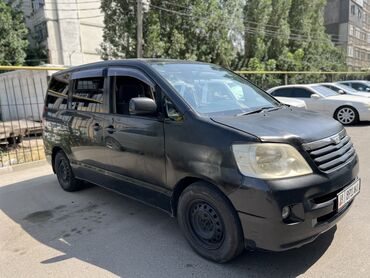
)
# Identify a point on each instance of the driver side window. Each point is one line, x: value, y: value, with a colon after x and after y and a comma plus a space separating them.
x: 125, y: 88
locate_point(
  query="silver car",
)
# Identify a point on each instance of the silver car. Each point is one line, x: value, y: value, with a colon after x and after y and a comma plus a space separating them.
x: 344, y: 89
x: 347, y: 109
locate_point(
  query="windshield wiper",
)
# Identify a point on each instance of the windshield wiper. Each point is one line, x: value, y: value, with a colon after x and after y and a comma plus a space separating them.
x: 259, y: 110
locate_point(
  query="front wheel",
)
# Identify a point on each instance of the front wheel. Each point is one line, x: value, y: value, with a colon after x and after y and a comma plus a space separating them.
x: 210, y: 223
x: 346, y: 115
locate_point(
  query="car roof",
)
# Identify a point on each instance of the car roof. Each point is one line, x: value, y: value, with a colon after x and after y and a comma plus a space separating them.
x: 127, y: 62
x: 293, y: 85
x: 361, y: 81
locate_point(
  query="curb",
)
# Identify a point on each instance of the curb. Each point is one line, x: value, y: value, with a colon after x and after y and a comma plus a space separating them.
x: 22, y: 166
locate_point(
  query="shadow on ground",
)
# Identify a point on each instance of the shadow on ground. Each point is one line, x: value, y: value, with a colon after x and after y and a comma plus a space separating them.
x: 131, y: 239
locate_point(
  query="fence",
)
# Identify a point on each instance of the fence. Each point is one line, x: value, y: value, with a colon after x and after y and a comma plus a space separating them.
x: 21, y: 106
x: 22, y: 92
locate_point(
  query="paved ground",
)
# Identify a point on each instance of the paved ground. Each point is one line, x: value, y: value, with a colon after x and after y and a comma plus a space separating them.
x: 45, y: 231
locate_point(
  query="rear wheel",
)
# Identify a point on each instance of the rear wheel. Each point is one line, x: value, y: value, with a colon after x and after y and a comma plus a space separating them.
x: 346, y: 115
x: 65, y: 174
x: 210, y: 223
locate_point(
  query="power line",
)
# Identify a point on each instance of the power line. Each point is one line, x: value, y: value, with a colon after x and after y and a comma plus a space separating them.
x: 251, y: 30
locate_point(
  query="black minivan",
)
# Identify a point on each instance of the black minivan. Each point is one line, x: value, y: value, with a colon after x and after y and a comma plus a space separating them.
x: 235, y: 166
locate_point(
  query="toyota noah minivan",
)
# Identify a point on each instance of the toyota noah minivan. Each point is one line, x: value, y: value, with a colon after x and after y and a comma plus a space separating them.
x: 236, y: 167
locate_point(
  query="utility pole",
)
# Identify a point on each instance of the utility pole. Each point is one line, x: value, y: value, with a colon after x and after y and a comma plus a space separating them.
x: 139, y: 30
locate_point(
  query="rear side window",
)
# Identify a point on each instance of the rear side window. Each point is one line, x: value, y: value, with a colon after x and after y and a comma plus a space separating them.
x: 88, y: 94
x: 283, y: 92
x: 301, y: 93
x: 57, y: 94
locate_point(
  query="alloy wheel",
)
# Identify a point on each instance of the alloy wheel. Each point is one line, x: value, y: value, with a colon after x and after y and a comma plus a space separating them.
x: 346, y: 115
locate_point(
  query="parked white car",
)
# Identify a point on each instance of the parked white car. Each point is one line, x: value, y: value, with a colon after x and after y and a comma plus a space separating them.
x: 292, y: 102
x: 344, y: 89
x: 358, y: 85
x: 347, y: 109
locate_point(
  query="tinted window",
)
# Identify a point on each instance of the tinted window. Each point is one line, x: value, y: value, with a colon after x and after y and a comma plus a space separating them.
x: 283, y: 92
x: 359, y: 86
x: 88, y: 94
x: 301, y: 93
x: 212, y: 90
x: 57, y: 94
x: 126, y: 88
x: 346, y: 88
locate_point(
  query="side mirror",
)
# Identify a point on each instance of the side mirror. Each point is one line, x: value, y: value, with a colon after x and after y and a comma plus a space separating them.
x: 341, y: 92
x: 315, y: 96
x: 142, y: 106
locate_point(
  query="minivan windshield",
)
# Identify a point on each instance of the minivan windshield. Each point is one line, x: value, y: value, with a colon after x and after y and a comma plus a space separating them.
x: 212, y: 90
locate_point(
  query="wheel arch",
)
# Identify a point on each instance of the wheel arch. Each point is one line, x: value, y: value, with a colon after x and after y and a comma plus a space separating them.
x: 54, y: 152
x: 348, y: 105
x: 183, y: 184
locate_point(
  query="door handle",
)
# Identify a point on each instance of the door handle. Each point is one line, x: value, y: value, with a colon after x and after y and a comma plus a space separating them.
x: 110, y: 129
x: 96, y: 127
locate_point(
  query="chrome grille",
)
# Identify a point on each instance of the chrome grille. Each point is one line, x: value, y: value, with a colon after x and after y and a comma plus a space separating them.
x: 331, y: 153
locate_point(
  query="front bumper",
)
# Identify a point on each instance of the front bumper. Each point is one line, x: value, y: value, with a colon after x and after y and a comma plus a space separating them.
x: 312, y: 199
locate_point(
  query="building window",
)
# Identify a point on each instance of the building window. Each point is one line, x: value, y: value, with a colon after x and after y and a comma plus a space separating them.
x: 350, y: 51
x: 358, y: 33
x: 41, y: 32
x: 359, y: 14
x: 37, y: 4
x: 353, y: 9
x: 350, y: 30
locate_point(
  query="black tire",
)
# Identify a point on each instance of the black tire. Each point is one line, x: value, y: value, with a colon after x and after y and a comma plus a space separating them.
x: 346, y: 115
x: 210, y: 223
x: 65, y: 174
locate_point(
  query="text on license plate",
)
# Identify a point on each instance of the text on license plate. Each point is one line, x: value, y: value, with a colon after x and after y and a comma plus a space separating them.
x: 348, y: 193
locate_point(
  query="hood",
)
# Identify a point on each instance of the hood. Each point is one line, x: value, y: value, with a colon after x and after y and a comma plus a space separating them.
x: 350, y: 98
x: 284, y: 124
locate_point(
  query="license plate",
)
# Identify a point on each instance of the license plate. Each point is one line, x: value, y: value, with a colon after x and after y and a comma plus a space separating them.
x: 348, y: 194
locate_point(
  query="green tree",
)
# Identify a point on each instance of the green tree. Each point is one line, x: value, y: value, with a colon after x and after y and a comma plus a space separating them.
x: 187, y: 29
x: 13, y: 34
x: 119, y: 36
x: 36, y: 56
x: 256, y: 16
x: 277, y: 44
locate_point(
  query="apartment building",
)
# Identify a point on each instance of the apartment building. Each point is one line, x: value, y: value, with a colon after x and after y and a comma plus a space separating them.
x: 348, y: 23
x: 70, y: 30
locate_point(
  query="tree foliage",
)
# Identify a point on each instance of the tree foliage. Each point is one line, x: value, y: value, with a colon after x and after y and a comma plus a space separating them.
x: 249, y: 34
x: 13, y: 34
x: 195, y: 29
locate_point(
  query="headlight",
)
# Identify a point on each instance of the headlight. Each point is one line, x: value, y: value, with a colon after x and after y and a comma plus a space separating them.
x: 270, y: 161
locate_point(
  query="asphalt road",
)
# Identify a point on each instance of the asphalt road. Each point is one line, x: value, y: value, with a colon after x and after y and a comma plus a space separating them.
x: 45, y: 231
